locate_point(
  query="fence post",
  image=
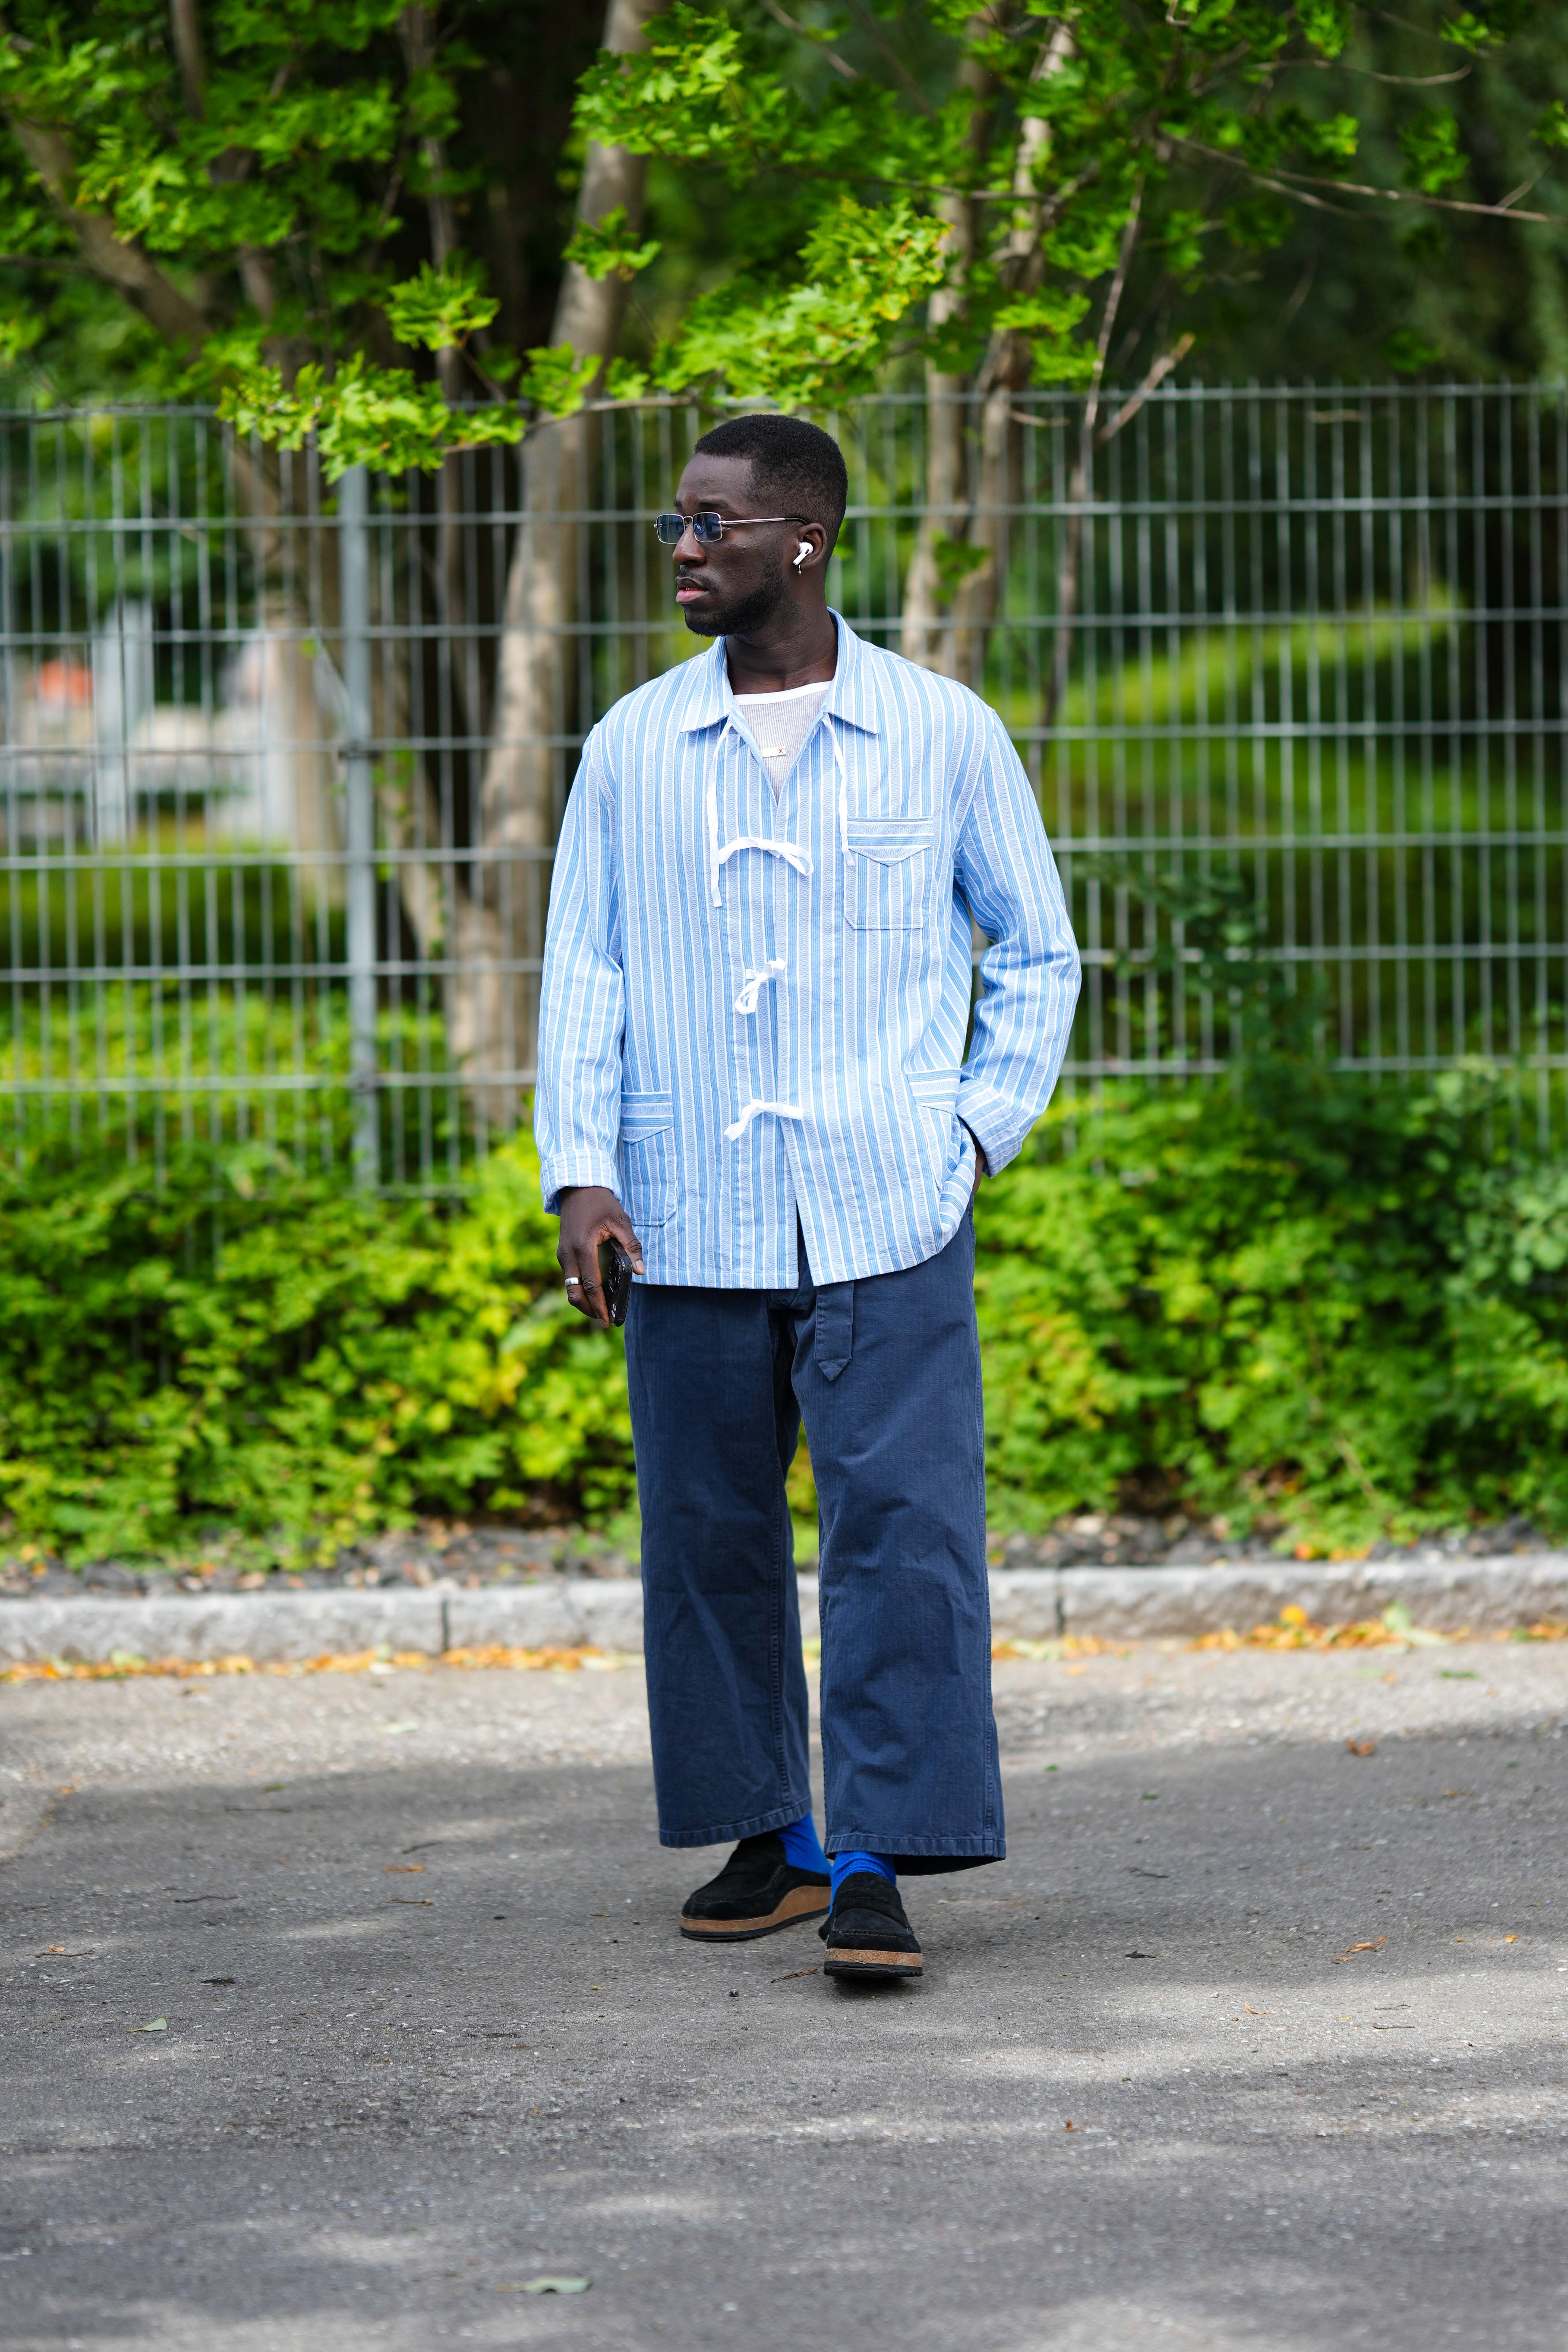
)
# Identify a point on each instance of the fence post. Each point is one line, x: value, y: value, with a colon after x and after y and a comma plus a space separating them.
x: 354, y: 573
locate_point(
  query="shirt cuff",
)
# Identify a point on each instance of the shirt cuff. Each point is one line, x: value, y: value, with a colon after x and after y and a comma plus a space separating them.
x: 993, y: 1122
x: 568, y: 1169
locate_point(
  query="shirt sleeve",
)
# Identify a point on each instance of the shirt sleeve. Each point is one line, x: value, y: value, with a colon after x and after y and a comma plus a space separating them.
x: 581, y: 1011
x: 1030, y: 973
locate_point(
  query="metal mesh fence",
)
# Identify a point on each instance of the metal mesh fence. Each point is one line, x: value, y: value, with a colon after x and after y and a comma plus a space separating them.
x: 281, y: 766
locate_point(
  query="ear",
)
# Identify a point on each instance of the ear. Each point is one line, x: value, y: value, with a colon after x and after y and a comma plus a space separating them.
x: 810, y: 547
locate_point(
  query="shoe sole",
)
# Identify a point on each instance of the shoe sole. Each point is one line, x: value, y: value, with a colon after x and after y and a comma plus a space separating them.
x: 800, y: 1903
x: 850, y: 1963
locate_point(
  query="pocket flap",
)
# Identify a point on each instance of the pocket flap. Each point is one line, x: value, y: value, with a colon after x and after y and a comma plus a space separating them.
x: 935, y: 1089
x: 888, y: 839
x: 645, y: 1115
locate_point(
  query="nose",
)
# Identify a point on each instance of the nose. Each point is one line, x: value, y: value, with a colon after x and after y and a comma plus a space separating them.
x: 688, y: 548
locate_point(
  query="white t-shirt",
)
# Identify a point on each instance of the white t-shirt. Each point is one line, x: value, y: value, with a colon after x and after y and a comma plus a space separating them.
x: 780, y: 723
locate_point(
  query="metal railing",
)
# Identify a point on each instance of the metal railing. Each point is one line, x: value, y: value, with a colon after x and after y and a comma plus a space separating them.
x: 280, y: 766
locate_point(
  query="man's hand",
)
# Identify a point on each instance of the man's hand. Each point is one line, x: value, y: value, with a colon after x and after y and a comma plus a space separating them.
x: 591, y: 1214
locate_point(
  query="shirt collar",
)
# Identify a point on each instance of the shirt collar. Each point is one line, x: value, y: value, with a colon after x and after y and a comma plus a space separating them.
x: 851, y: 694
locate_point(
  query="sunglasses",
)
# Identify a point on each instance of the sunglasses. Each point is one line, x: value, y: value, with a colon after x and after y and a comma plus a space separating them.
x: 707, y: 526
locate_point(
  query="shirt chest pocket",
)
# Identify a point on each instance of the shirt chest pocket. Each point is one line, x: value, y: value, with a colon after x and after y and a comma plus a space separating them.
x: 645, y: 1157
x: 888, y: 868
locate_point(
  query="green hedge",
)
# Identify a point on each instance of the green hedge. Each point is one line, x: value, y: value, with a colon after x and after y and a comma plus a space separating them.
x: 1344, y: 1309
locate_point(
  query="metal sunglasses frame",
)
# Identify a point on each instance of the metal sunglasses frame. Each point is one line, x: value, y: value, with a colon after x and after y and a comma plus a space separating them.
x: 707, y: 526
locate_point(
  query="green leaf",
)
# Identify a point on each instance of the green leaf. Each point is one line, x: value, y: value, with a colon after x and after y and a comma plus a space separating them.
x: 557, y: 380
x: 440, y: 307
x: 1408, y: 352
x: 862, y: 269
x: 1326, y: 23
x: 1430, y: 143
x: 601, y: 246
x: 1553, y: 128
x: 364, y: 416
x: 956, y: 559
x: 625, y: 381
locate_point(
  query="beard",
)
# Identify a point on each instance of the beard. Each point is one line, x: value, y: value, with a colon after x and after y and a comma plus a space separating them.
x: 742, y: 616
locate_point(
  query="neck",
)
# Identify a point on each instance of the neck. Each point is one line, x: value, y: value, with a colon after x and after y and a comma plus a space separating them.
x: 798, y: 649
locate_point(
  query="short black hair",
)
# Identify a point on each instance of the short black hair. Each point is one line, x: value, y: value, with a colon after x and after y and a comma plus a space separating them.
x: 794, y: 463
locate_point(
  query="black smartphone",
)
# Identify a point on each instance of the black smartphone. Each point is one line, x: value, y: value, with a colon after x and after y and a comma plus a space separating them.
x: 614, y: 1279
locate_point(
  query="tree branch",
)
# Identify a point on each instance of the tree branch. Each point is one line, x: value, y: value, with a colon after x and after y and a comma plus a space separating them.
x: 185, y: 26
x: 1295, y: 184
x: 1156, y: 376
x: 114, y: 259
x: 907, y: 81
x: 46, y: 261
x: 1068, y: 589
x: 817, y: 39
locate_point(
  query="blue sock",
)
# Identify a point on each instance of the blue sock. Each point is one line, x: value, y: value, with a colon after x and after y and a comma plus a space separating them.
x: 803, y: 1847
x: 844, y: 1865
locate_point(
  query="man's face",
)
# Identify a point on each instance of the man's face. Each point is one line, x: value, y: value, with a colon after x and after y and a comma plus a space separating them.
x: 736, y: 587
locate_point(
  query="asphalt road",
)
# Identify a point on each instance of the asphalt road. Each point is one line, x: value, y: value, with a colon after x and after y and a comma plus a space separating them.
x: 1254, y: 2042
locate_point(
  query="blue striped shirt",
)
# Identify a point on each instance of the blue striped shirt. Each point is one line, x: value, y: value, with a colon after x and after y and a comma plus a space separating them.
x: 755, y: 1010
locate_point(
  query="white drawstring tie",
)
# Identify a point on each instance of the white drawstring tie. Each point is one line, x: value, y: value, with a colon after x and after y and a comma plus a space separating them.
x: 778, y: 1110
x: 785, y: 849
x: 756, y: 983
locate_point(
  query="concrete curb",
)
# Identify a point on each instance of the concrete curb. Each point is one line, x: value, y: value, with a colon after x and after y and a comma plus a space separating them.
x: 1041, y: 1604
x: 1485, y: 1595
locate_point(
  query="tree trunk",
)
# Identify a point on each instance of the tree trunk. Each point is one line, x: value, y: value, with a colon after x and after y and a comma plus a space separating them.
x: 924, y: 638
x: 975, y: 495
x: 495, y: 1006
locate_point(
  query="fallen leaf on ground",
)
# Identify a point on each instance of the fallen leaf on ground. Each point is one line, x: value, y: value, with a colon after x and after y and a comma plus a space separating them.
x: 1071, y: 1645
x: 1068, y: 2127
x: 412, y: 1869
x: 1375, y: 1944
x: 159, y: 2025
x: 1510, y: 1939
x: 799, y: 1973
x: 1361, y: 1746
x: 414, y: 1902
x: 549, y: 2286
x: 1294, y: 1630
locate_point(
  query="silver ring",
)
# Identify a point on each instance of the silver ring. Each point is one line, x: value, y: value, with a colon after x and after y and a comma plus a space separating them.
x: 573, y: 1282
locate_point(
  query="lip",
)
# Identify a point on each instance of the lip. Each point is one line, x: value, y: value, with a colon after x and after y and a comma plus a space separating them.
x: 688, y: 592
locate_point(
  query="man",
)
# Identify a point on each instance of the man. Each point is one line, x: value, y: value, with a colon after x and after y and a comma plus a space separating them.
x: 757, y: 987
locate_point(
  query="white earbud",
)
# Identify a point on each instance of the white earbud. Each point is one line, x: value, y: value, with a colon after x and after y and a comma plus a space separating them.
x: 804, y: 546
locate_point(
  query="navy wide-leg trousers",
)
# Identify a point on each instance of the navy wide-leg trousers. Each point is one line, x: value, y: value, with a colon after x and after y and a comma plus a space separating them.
x: 885, y: 1374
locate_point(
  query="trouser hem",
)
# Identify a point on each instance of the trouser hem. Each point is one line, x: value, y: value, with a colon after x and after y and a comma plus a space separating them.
x: 918, y: 1849
x: 723, y: 1833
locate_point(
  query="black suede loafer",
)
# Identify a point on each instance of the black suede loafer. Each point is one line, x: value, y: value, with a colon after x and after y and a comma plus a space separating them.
x: 866, y: 1933
x: 756, y: 1893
